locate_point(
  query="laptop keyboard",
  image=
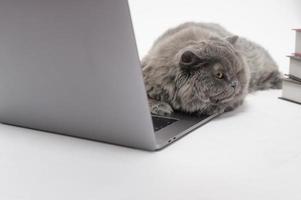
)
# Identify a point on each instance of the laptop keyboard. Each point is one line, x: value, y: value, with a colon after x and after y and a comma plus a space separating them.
x: 161, y: 122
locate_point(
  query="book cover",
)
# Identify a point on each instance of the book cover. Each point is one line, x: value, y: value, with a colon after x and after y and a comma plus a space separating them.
x: 295, y: 66
x: 291, y: 90
x: 298, y: 42
x: 292, y: 77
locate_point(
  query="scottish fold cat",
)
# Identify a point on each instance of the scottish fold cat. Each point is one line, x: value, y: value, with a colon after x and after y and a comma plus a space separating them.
x: 201, y: 68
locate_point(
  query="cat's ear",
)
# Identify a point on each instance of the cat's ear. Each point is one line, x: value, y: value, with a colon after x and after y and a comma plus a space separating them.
x: 232, y: 39
x: 188, y: 58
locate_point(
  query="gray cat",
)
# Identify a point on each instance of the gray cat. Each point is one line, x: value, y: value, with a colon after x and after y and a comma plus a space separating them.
x: 201, y: 68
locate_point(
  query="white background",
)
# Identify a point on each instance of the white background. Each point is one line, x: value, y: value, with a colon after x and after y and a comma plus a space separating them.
x: 267, y: 22
x: 253, y: 153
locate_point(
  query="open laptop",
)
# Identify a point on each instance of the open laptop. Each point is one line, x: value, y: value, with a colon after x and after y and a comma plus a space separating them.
x: 71, y: 67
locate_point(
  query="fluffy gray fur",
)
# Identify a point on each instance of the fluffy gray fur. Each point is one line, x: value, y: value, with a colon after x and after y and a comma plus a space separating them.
x: 202, y: 68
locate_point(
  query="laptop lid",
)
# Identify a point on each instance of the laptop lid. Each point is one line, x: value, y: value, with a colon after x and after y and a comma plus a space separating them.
x: 71, y: 67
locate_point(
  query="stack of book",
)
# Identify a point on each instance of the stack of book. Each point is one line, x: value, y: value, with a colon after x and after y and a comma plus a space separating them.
x: 292, y: 83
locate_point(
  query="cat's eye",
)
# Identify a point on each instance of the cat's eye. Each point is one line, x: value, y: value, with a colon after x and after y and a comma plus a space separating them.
x: 219, y: 75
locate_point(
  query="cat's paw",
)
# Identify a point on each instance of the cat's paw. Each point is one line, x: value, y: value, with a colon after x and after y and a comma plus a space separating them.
x: 161, y: 108
x: 212, y: 110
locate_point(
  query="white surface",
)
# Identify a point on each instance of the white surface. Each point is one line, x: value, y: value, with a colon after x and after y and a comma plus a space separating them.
x: 252, y: 153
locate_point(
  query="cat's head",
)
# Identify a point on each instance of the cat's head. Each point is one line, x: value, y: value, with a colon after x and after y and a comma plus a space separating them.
x: 211, y: 73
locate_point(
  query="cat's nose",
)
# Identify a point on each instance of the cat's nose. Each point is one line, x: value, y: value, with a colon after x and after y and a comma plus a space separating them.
x: 234, y: 84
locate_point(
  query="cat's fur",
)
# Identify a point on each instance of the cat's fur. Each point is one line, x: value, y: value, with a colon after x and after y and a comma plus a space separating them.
x: 202, y: 68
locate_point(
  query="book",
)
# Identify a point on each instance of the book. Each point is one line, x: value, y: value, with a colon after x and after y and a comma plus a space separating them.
x: 295, y: 66
x: 298, y: 42
x: 291, y: 90
x: 293, y: 77
x: 291, y: 86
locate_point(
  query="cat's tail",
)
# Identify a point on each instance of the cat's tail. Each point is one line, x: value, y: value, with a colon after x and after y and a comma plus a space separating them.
x: 267, y: 80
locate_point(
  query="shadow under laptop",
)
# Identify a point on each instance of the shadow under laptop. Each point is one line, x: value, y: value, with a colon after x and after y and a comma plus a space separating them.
x: 43, y: 140
x: 236, y: 112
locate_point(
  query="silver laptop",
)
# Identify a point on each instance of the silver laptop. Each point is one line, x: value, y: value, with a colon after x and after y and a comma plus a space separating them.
x: 71, y: 67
